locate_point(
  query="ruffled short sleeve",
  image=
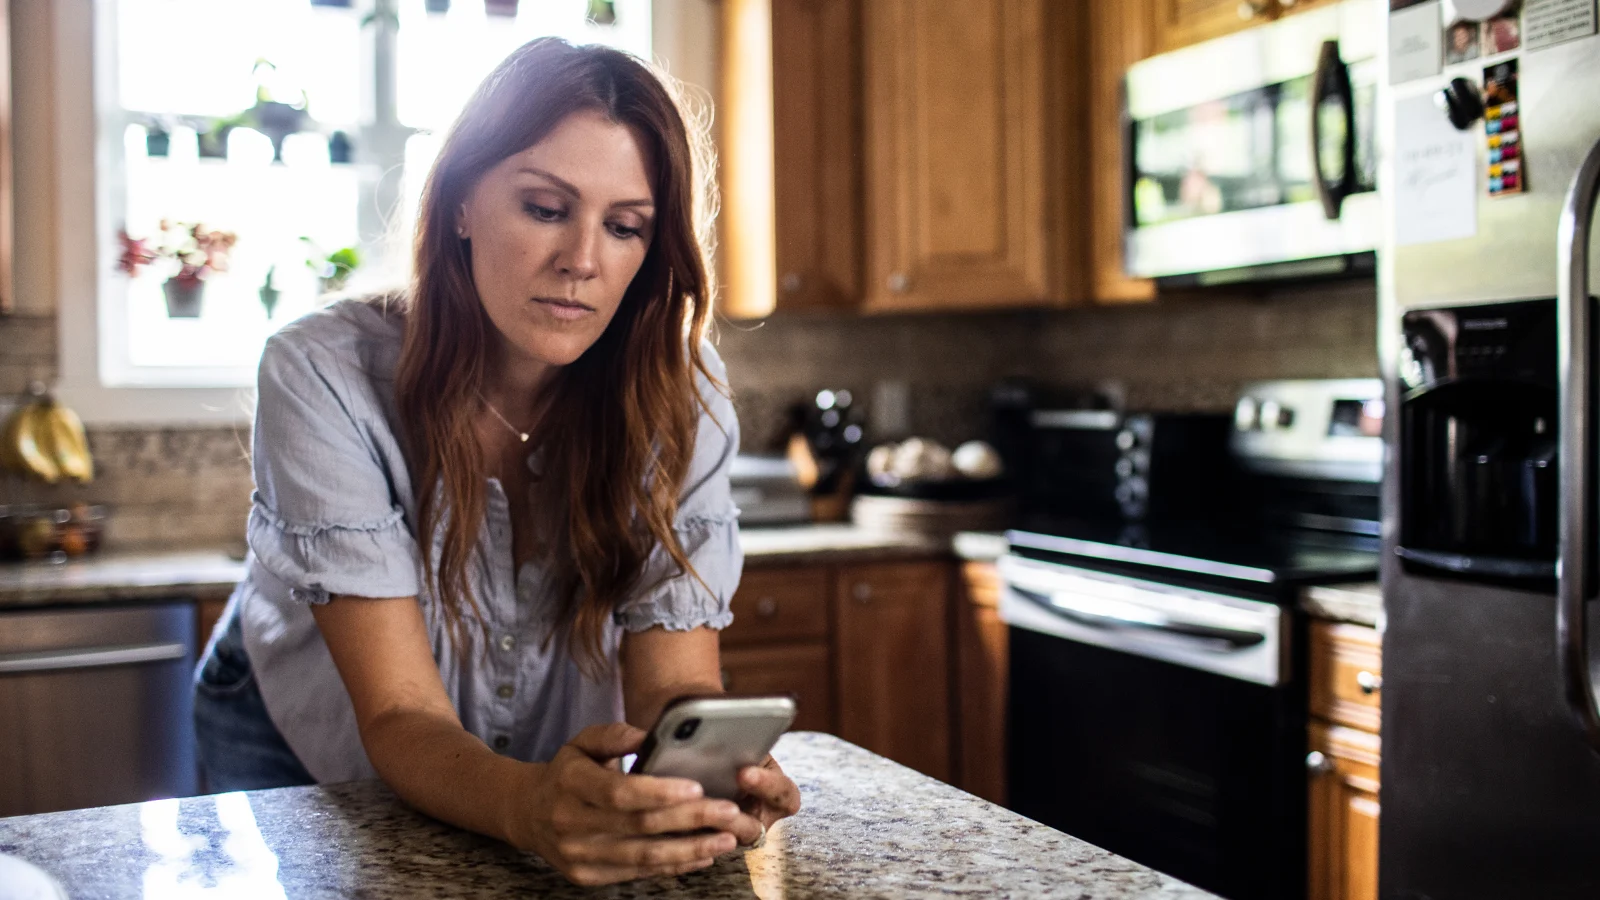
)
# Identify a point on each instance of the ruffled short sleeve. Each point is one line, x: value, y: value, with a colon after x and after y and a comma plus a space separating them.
x: 325, y: 518
x: 707, y: 527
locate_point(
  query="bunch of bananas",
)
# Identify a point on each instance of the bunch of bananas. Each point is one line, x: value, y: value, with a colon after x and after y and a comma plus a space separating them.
x: 45, y: 440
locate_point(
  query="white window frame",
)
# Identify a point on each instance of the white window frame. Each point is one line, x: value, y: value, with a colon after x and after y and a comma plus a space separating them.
x: 87, y: 171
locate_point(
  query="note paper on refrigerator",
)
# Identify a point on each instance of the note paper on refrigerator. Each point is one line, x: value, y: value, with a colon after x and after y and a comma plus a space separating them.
x: 1435, y: 180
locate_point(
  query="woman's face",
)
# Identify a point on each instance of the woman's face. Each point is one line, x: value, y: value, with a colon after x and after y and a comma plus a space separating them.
x: 558, y: 232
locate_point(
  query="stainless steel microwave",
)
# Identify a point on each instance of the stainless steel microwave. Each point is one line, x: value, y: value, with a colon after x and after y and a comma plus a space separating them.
x: 1252, y: 156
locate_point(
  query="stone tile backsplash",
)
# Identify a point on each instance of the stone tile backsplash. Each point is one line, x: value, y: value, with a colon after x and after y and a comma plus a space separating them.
x: 191, y: 487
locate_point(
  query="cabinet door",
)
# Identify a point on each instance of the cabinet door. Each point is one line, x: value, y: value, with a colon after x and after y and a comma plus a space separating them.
x: 1343, y: 859
x: 799, y: 669
x: 965, y: 192
x: 1121, y: 32
x: 892, y: 634
x: 788, y: 121
x: 816, y: 159
x: 981, y: 661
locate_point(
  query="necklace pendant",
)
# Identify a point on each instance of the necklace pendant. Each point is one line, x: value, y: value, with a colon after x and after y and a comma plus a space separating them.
x: 524, y: 435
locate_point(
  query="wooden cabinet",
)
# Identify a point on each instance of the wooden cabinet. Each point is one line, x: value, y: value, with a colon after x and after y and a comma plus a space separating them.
x: 1343, y: 862
x: 778, y: 641
x: 1180, y: 23
x: 800, y: 669
x: 892, y: 662
x: 1121, y: 32
x: 789, y: 134
x: 980, y: 684
x: 969, y: 188
x: 1343, y: 763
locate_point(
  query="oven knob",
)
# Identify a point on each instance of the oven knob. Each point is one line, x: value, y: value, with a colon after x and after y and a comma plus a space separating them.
x: 1245, y: 415
x: 1269, y: 414
x: 1126, y: 440
x: 1319, y: 763
x: 1285, y: 417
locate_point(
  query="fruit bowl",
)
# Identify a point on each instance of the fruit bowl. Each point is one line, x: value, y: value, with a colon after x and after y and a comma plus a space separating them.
x: 50, y: 533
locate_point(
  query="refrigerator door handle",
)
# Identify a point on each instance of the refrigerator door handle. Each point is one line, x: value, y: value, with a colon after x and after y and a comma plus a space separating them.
x: 1332, y: 79
x: 1575, y: 367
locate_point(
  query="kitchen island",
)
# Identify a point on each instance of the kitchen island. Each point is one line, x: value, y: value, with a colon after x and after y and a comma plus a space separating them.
x: 869, y: 828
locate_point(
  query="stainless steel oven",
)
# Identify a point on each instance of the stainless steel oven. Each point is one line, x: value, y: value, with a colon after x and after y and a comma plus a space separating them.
x: 1253, y: 156
x: 1158, y: 666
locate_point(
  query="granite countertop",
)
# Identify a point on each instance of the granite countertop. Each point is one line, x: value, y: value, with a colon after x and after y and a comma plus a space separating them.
x: 158, y: 575
x: 1359, y: 602
x: 112, y: 577
x: 868, y: 828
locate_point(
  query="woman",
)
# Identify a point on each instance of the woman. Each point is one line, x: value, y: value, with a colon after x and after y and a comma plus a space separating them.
x: 540, y: 406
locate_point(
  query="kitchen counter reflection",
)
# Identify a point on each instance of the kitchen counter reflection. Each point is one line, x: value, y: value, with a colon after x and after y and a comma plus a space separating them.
x: 869, y: 828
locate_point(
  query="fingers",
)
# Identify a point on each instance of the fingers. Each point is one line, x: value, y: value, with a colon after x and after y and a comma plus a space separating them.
x: 602, y: 860
x: 591, y: 876
x: 747, y: 828
x: 716, y: 815
x: 772, y: 789
x: 592, y: 783
x: 606, y: 742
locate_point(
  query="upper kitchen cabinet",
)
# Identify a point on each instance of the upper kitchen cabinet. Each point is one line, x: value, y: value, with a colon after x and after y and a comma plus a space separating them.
x: 1179, y: 23
x: 973, y: 196
x: 1121, y: 32
x: 790, y: 153
x: 6, y: 287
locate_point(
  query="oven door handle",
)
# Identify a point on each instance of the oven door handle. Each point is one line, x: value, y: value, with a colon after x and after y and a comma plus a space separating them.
x: 1574, y: 321
x: 1139, y: 618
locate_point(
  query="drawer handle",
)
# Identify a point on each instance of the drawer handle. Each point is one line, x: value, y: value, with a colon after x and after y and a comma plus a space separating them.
x: 862, y: 591
x: 1318, y: 763
x: 1368, y: 682
x: 89, y: 658
x: 766, y: 608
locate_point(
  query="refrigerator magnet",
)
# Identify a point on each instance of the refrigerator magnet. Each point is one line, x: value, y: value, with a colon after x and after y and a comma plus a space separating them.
x: 1502, y: 129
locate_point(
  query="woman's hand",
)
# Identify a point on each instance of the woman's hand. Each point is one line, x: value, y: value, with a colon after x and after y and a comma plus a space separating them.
x: 769, y: 796
x: 597, y: 825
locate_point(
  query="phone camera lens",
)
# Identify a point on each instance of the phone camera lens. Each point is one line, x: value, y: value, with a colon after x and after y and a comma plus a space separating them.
x: 686, y: 730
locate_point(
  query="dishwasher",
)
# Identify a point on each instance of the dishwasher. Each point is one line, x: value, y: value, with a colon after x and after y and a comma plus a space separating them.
x: 95, y: 706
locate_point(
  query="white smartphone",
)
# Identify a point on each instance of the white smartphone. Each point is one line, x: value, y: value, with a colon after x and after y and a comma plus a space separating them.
x: 710, y: 738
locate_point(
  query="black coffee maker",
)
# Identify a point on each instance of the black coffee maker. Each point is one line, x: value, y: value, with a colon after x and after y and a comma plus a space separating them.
x: 1479, y: 459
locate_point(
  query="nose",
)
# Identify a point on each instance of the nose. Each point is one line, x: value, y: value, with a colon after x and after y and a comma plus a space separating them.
x: 577, y: 258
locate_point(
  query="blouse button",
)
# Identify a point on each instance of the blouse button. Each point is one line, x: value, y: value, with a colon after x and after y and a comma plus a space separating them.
x: 507, y: 642
x: 505, y: 691
x: 502, y: 742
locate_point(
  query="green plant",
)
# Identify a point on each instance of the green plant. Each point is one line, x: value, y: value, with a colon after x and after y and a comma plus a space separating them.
x: 333, y: 268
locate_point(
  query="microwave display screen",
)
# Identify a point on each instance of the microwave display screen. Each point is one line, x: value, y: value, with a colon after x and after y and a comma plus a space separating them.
x: 1247, y: 151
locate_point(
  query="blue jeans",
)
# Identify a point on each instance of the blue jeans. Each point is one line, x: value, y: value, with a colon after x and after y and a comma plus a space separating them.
x: 240, y: 748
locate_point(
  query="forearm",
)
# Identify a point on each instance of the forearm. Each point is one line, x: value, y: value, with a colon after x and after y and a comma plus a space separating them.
x: 441, y: 769
x: 643, y: 704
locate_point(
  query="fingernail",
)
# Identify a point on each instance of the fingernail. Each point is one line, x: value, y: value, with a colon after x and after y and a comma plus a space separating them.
x: 691, y: 791
x: 727, y: 808
x: 726, y: 842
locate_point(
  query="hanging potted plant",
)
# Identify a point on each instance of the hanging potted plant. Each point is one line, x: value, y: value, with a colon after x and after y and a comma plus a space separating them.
x: 196, y: 252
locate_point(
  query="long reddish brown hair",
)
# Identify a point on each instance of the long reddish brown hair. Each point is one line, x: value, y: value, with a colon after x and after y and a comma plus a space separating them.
x: 623, y: 416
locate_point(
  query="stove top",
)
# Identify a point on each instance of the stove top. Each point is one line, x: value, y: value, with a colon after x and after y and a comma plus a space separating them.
x: 1250, y: 555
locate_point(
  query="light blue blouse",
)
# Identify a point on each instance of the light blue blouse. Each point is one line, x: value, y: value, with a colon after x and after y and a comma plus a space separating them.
x: 334, y: 513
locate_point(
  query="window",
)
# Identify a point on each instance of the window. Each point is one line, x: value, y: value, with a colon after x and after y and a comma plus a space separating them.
x: 302, y: 128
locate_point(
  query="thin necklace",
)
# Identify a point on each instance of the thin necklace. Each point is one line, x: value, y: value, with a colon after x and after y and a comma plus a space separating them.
x: 521, y: 435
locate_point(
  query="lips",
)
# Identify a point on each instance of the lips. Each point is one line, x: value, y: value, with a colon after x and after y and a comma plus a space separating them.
x: 565, y: 309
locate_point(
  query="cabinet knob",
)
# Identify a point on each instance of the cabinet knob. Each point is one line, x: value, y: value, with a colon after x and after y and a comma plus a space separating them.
x: 727, y: 680
x: 1318, y: 763
x: 899, y: 283
x: 862, y: 592
x: 1368, y: 682
x: 789, y: 283
x: 1249, y: 9
x: 766, y: 608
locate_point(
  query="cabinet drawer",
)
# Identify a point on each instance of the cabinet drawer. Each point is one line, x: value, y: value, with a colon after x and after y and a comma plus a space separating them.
x: 779, y: 605
x: 1346, y: 674
x: 800, y: 669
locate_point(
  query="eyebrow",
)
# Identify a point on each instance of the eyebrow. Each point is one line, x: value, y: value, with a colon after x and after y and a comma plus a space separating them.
x: 572, y: 189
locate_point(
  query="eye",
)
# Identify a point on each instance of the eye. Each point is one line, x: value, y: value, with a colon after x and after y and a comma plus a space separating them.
x: 544, y: 213
x: 624, y: 232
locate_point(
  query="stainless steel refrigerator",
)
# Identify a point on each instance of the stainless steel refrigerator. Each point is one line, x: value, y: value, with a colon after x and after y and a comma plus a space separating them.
x: 1490, y: 784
